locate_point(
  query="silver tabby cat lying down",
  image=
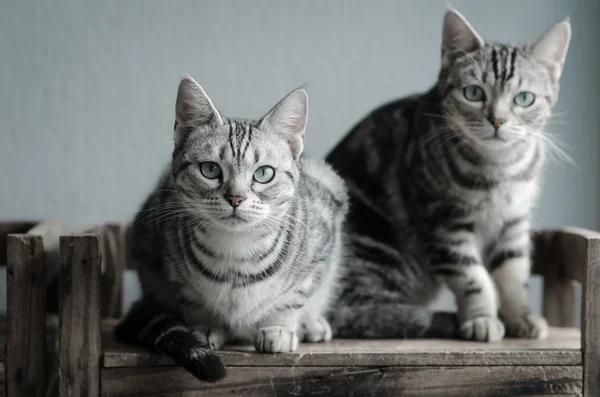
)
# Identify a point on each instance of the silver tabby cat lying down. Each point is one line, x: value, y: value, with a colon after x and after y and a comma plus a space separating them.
x: 441, y: 191
x: 241, y: 240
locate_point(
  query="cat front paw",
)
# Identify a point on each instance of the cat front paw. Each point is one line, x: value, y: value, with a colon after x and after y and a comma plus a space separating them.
x: 276, y: 339
x: 213, y: 337
x: 315, y: 330
x: 483, y: 329
x: 526, y: 326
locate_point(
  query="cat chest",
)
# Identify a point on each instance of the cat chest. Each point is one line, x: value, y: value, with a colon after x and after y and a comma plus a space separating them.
x: 495, y: 208
x: 233, y: 301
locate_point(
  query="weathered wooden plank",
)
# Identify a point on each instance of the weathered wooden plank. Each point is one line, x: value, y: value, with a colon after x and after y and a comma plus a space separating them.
x: 560, y: 302
x: 353, y: 381
x: 50, y: 231
x: 28, y: 260
x: 114, y: 265
x: 561, y: 348
x: 6, y: 228
x: 591, y: 319
x: 2, y: 380
x: 79, y: 317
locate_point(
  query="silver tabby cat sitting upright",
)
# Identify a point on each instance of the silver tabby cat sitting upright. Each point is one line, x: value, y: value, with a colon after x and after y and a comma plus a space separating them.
x: 241, y: 240
x: 442, y: 186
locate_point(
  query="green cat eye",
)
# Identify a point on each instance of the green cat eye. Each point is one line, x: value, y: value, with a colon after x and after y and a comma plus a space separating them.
x: 210, y: 170
x: 264, y: 174
x: 525, y: 99
x: 474, y: 93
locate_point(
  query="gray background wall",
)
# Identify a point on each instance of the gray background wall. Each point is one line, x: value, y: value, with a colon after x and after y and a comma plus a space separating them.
x: 87, y: 87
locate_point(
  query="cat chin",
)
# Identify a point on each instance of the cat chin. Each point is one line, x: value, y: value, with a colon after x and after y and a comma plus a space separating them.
x: 234, y: 224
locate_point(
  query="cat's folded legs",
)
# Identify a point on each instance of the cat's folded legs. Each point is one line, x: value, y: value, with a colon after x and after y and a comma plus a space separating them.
x: 278, y: 333
x: 510, y: 264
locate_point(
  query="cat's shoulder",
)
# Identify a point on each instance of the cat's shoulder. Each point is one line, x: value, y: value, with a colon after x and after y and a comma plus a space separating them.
x: 320, y: 175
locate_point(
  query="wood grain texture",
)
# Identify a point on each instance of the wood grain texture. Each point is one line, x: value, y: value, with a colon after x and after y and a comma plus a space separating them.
x: 2, y: 380
x: 79, y: 317
x: 6, y: 228
x: 352, y: 381
x: 591, y: 319
x: 561, y: 348
x: 560, y: 302
x: 113, y: 237
x: 29, y: 258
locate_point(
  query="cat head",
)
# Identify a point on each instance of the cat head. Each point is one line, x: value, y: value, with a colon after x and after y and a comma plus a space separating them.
x: 494, y: 94
x: 235, y: 173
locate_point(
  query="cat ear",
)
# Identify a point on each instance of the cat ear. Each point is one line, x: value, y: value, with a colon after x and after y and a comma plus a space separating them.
x: 193, y: 109
x: 458, y: 37
x: 288, y: 118
x: 551, y: 48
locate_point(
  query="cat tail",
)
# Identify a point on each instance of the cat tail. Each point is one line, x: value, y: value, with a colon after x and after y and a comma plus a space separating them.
x: 392, y: 321
x: 147, y: 326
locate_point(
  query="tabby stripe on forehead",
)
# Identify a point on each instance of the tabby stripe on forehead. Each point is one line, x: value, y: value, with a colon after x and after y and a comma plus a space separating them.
x: 495, y: 62
x: 240, y: 134
x: 513, y: 57
x: 504, y: 59
x: 231, y: 145
x: 247, y: 141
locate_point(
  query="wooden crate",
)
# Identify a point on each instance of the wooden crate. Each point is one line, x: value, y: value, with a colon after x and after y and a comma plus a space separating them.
x: 29, y: 250
x: 566, y: 364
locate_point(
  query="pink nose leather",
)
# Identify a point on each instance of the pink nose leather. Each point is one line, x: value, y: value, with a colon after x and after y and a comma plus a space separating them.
x: 235, y: 201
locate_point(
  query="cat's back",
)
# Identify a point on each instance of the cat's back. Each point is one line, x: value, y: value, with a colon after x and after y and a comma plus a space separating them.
x: 374, y: 142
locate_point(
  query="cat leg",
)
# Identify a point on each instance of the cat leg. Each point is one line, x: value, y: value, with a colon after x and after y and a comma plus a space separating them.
x: 510, y: 264
x: 205, y: 328
x: 455, y: 259
x: 314, y: 329
x: 213, y: 337
x: 278, y: 333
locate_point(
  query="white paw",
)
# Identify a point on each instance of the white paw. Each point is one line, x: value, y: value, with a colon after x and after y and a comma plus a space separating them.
x: 213, y: 337
x: 276, y: 339
x: 527, y: 326
x: 484, y: 329
x: 315, y: 330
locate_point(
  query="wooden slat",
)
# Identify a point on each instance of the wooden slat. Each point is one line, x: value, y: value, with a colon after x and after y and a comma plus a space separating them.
x: 580, y: 254
x: 6, y: 228
x: 356, y: 381
x: 79, y: 317
x: 50, y: 230
x: 561, y: 348
x: 114, y: 265
x: 2, y: 380
x: 560, y: 302
x: 27, y: 264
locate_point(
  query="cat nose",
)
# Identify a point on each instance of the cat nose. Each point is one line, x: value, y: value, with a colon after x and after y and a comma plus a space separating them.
x: 235, y: 201
x: 496, y: 122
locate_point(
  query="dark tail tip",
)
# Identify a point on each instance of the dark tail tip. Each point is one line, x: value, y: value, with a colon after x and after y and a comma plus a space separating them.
x: 203, y: 364
x: 161, y: 333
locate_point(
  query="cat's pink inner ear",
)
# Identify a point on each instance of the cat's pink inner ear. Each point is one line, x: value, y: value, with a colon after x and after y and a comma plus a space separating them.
x: 193, y: 108
x: 551, y: 48
x: 458, y: 37
x: 288, y: 118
